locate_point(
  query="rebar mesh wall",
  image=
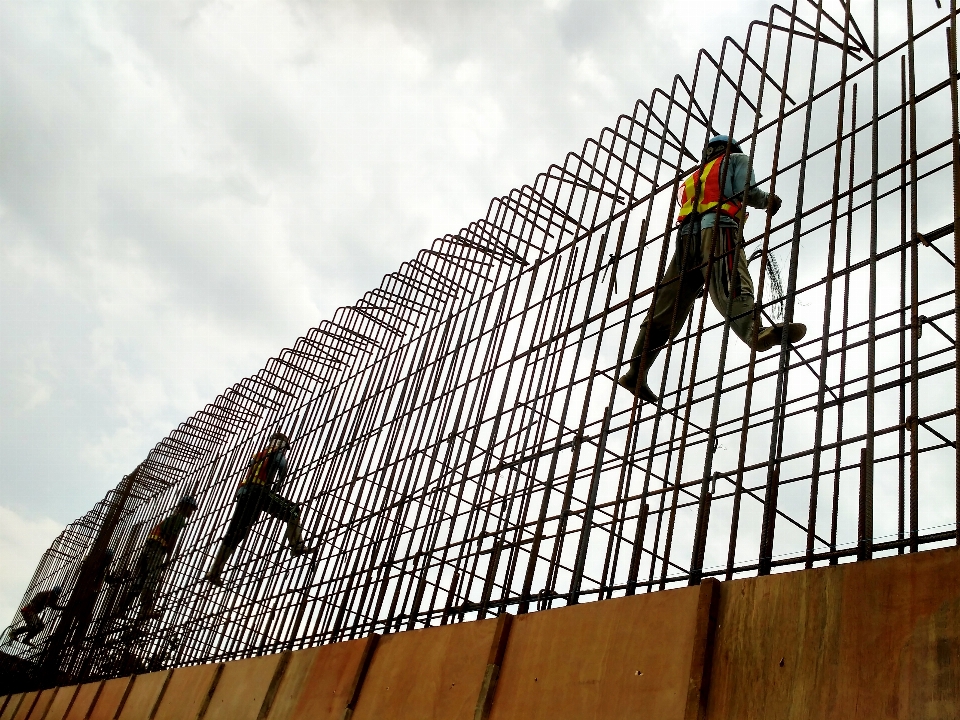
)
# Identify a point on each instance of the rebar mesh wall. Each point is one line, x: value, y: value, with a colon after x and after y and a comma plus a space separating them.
x: 460, y: 447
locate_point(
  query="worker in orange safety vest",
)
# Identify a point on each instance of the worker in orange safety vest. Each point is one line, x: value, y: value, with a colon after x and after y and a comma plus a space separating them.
x: 708, y: 213
x: 153, y: 559
x: 259, y: 493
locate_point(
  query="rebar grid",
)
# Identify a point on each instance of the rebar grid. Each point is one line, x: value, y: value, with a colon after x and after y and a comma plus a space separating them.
x: 460, y: 447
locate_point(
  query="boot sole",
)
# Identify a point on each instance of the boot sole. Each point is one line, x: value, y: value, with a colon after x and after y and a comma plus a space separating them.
x: 795, y: 333
x: 643, y: 393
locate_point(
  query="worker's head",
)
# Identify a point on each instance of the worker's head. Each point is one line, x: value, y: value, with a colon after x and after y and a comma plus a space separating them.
x: 718, y: 145
x: 187, y: 505
x: 278, y: 438
x: 55, y: 591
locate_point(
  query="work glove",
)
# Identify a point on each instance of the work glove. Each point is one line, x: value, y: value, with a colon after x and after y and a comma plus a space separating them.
x: 773, y: 204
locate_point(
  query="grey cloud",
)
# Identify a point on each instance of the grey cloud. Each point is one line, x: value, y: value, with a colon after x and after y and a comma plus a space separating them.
x: 185, y: 187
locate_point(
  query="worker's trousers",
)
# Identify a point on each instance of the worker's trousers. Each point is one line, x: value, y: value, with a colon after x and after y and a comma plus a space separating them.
x: 683, y: 281
x: 33, y: 624
x: 146, y: 576
x: 253, y: 500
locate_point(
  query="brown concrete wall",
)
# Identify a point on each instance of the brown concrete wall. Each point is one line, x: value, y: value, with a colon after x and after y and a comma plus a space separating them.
x: 82, y: 702
x: 432, y: 674
x: 111, y: 696
x: 187, y: 692
x: 26, y: 705
x: 630, y: 657
x: 872, y: 640
x: 877, y: 640
x: 318, y: 683
x: 143, y: 696
x: 11, y: 707
x: 242, y: 687
x: 61, y: 702
x: 42, y: 704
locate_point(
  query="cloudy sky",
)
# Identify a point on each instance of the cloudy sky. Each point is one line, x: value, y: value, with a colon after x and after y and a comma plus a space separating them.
x: 186, y: 186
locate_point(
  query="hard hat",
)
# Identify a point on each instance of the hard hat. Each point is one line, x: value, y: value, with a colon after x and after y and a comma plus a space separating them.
x: 56, y: 590
x: 723, y: 140
x: 188, y: 501
x: 280, y: 436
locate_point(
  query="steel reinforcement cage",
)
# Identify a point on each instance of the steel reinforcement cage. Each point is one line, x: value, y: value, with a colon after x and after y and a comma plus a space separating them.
x: 460, y: 447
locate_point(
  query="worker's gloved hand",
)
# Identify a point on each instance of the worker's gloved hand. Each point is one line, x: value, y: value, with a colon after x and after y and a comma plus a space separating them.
x: 773, y: 204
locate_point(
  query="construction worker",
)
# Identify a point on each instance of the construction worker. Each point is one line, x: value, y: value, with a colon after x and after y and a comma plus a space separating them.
x: 266, y: 473
x: 33, y: 623
x: 153, y: 559
x: 704, y: 206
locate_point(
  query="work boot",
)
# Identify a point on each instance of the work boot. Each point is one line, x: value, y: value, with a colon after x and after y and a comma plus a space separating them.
x: 639, y: 389
x: 213, y: 577
x: 635, y: 379
x: 297, y: 546
x: 770, y: 337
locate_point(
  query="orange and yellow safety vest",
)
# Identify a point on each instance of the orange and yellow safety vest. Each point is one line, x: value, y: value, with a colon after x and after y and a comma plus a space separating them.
x: 709, y: 195
x: 166, y: 531
x: 257, y: 471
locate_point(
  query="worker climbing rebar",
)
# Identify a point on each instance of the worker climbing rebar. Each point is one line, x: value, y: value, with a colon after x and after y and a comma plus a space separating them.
x: 32, y: 611
x: 708, y: 213
x: 259, y: 492
x: 153, y: 559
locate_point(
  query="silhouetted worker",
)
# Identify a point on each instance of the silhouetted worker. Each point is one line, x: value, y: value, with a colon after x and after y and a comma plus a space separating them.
x: 33, y: 623
x: 702, y: 203
x: 153, y: 559
x: 259, y: 492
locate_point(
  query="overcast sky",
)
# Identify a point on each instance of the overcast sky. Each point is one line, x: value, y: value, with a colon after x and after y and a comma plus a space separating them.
x: 187, y: 186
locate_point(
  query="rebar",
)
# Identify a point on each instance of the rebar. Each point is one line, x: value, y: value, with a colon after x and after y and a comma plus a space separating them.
x: 460, y: 447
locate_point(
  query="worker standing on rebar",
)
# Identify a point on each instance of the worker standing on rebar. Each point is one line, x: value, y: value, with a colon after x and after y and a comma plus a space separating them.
x: 33, y: 623
x: 153, y: 559
x: 259, y: 492
x: 704, y: 206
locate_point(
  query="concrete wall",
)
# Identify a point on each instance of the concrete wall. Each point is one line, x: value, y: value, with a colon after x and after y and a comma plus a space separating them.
x: 27, y: 701
x: 870, y: 640
x: 109, y: 698
x: 319, y: 683
x: 878, y: 639
x: 62, y: 702
x: 630, y: 657
x: 82, y: 702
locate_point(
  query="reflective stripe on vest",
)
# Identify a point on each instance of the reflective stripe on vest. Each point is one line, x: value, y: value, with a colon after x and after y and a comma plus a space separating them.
x: 709, y: 195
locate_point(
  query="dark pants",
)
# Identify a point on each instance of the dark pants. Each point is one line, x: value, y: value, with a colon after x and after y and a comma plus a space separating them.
x: 682, y: 283
x: 32, y: 626
x: 146, y: 577
x: 253, y: 500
